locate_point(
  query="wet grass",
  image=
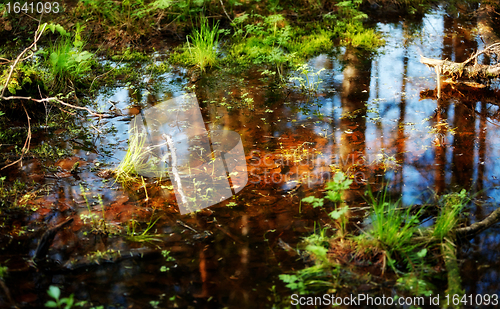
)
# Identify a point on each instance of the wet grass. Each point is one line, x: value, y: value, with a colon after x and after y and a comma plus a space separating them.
x: 202, y: 45
x: 144, y: 236
x: 392, y: 228
x: 126, y: 172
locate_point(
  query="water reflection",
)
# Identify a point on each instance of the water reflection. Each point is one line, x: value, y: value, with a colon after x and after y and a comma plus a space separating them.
x: 378, y: 116
x: 354, y: 95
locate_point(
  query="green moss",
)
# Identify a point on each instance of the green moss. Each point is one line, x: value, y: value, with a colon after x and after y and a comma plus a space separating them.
x: 130, y: 55
x: 45, y: 151
x: 180, y: 56
x: 310, y: 45
x: 159, y: 69
x: 357, y: 36
x: 26, y: 76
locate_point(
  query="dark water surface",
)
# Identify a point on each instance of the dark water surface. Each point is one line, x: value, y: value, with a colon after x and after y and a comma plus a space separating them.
x: 375, y: 117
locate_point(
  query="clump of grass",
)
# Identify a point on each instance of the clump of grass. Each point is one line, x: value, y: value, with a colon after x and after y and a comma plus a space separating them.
x: 202, y: 45
x: 139, y: 158
x: 126, y: 172
x: 392, y: 231
x: 67, y: 61
x: 452, y: 206
x: 391, y: 228
x: 394, y: 237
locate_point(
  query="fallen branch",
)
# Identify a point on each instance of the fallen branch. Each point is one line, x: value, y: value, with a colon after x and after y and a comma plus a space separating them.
x: 53, y: 99
x: 462, y: 69
x: 31, y: 51
x: 478, y: 227
x: 222, y: 4
x: 47, y: 239
x: 32, y: 48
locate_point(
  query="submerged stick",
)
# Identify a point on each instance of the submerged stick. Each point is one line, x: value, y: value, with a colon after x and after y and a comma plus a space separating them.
x: 177, y: 177
x: 47, y: 238
x: 7, y: 293
x: 438, y: 80
x: 452, y: 269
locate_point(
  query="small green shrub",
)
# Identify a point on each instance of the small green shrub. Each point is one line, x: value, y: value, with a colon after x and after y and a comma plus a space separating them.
x: 66, y: 59
x: 58, y: 302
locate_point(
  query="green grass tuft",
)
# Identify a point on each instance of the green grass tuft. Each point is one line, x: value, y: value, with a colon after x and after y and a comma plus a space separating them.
x: 202, y: 45
x: 452, y: 206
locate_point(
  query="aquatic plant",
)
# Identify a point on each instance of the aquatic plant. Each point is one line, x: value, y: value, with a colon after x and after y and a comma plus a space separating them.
x: 126, y: 171
x: 308, y: 80
x: 202, y: 45
x: 98, y: 225
x: 452, y: 205
x: 132, y: 235
x: 392, y: 237
x: 58, y: 302
x: 45, y: 152
x: 334, y: 191
x: 168, y: 258
x: 98, y: 256
x: 17, y: 193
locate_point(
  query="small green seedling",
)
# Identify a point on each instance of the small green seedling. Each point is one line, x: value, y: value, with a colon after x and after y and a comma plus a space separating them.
x: 58, y: 302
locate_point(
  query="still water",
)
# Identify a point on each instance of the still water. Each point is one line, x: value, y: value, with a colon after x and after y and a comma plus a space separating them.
x: 374, y: 116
